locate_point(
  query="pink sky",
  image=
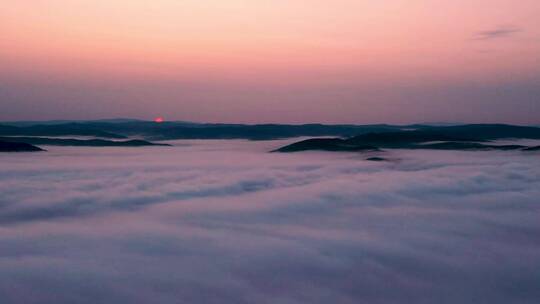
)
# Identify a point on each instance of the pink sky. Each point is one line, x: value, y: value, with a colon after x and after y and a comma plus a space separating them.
x: 254, y: 61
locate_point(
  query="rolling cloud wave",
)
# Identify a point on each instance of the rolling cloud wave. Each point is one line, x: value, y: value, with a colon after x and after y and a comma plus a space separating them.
x: 217, y: 222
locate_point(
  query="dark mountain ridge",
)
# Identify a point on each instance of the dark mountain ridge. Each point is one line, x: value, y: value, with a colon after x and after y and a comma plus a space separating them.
x: 467, y: 137
x: 6, y: 146
x: 347, y: 137
x: 187, y: 130
x: 325, y: 144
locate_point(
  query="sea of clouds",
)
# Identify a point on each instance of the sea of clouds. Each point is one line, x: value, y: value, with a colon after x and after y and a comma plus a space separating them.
x: 227, y: 222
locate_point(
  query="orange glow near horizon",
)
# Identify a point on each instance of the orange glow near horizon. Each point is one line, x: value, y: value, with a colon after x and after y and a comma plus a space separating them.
x: 171, y: 38
x: 159, y: 120
x: 203, y: 55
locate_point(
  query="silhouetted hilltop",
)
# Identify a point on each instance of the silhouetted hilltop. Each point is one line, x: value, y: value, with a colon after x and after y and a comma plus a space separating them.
x: 6, y: 146
x: 325, y: 144
x: 467, y: 137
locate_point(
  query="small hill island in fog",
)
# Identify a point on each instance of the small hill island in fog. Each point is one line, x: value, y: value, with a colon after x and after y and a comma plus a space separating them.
x: 6, y: 146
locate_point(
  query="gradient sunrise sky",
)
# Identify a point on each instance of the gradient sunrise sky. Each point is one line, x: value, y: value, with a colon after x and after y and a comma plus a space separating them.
x: 284, y: 61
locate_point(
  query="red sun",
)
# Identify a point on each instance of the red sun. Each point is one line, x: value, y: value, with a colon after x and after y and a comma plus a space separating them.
x: 159, y: 119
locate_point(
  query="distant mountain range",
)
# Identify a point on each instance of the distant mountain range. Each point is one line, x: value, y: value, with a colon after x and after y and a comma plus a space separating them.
x: 464, y: 137
x: 117, y: 132
x: 184, y: 130
x: 124, y: 128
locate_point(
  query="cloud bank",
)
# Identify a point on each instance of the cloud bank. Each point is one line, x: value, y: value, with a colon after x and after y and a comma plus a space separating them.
x: 500, y: 32
x: 225, y: 222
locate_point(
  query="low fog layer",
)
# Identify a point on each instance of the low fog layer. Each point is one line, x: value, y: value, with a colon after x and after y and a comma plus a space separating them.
x: 226, y: 222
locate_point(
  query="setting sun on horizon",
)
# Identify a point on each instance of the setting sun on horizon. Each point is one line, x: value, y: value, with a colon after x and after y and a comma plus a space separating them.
x: 296, y: 61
